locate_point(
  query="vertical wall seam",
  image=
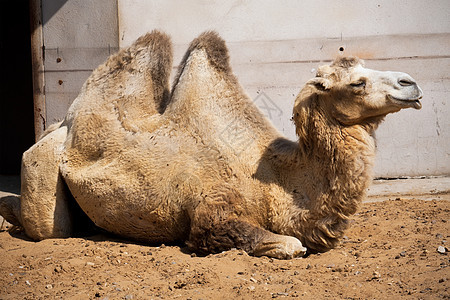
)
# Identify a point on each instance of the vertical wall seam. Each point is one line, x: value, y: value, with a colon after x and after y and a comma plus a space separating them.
x: 37, y: 61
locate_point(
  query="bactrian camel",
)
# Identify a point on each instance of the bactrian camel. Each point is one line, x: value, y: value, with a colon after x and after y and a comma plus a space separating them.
x: 200, y: 164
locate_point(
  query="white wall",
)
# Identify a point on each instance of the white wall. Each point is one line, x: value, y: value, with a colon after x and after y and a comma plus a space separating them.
x: 78, y: 36
x: 275, y: 46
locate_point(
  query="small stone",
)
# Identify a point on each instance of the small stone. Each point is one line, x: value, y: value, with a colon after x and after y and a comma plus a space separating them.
x: 275, y: 295
x: 128, y: 297
x: 439, y: 236
x: 375, y: 275
x: 253, y: 280
x: 58, y: 269
x: 90, y: 264
x: 442, y: 249
x: 251, y: 288
x: 442, y: 280
x: 403, y: 253
x: 27, y: 282
x: 49, y: 286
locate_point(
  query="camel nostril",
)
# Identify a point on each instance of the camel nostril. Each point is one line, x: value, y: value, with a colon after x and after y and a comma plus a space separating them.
x: 406, y: 82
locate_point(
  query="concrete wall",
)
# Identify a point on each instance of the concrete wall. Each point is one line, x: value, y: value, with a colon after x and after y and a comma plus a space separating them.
x: 78, y: 36
x: 276, y: 46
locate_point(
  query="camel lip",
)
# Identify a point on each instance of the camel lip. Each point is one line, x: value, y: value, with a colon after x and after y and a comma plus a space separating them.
x: 411, y: 102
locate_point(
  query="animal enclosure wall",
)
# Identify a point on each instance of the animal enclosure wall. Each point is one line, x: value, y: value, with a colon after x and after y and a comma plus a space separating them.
x: 78, y: 35
x: 275, y: 47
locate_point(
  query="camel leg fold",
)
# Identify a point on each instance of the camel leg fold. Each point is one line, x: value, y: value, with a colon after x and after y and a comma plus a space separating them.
x: 10, y: 209
x: 279, y: 246
x: 218, y: 226
x: 44, y: 205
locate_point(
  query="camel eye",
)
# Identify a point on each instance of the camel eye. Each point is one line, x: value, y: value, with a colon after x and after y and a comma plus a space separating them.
x: 358, y: 84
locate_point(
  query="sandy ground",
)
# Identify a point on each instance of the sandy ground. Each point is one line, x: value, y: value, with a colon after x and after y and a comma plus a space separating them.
x: 397, y: 247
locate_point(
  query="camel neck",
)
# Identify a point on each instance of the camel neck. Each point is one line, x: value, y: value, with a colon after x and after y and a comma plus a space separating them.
x: 342, y: 160
x: 332, y: 166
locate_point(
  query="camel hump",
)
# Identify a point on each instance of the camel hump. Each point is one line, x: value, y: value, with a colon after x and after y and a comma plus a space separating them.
x: 216, y: 52
x: 159, y: 48
x: 215, y: 48
x: 141, y: 70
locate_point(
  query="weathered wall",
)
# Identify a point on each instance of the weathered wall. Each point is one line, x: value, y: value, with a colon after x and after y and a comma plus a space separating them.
x: 78, y: 36
x: 275, y: 46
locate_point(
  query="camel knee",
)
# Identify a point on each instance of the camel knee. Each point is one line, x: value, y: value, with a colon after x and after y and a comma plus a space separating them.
x: 46, y: 214
x: 10, y: 209
x: 43, y: 202
x: 212, y: 234
x: 217, y: 226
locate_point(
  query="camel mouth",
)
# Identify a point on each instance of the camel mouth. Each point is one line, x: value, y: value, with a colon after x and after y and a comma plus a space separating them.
x: 406, y: 103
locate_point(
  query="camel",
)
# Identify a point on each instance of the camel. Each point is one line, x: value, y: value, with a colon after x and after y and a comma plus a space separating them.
x: 200, y: 164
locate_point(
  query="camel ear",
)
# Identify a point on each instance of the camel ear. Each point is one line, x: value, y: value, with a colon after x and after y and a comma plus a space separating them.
x: 320, y: 83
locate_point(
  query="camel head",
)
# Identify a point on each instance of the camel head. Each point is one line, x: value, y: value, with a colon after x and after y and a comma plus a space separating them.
x: 348, y: 93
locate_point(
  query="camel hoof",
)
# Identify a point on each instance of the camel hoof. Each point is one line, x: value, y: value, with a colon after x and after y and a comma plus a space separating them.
x: 287, y: 248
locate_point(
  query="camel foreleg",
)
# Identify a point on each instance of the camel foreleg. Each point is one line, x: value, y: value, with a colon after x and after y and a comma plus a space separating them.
x: 217, y: 225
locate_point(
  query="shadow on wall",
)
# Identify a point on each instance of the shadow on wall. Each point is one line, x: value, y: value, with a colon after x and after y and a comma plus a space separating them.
x: 51, y: 8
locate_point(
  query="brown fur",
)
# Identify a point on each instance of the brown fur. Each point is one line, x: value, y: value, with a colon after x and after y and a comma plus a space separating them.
x: 204, y: 166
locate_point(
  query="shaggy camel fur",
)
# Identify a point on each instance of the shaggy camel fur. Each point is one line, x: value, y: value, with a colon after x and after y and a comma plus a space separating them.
x: 161, y: 167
